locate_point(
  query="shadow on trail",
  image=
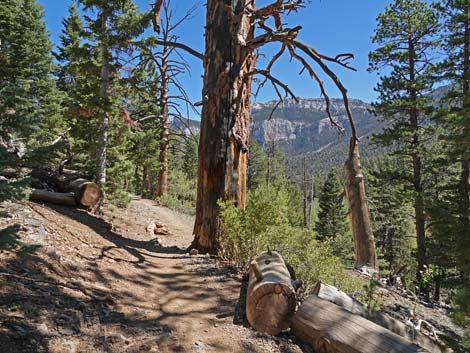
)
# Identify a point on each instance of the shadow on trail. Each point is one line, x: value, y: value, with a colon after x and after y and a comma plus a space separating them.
x: 105, y: 230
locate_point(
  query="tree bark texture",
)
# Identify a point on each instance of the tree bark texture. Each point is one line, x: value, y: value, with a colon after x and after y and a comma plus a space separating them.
x: 162, y: 186
x: 364, y: 244
x: 225, y: 120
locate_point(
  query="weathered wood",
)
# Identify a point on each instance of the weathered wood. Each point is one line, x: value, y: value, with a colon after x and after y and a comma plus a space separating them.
x: 61, y: 198
x: 271, y: 301
x: 225, y: 118
x: 332, y: 329
x: 364, y: 244
x: 334, y: 295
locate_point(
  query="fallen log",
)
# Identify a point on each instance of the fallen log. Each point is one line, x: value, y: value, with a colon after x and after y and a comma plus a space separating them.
x: 271, y: 301
x: 332, y: 329
x: 334, y: 295
x: 61, y: 198
x: 86, y: 193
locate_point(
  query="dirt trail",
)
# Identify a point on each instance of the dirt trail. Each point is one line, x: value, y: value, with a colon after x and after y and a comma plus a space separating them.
x: 106, y: 285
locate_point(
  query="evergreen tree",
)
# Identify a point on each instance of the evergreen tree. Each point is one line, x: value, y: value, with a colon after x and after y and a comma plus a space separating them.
x: 99, y: 90
x: 405, y: 34
x: 332, y: 214
x: 29, y: 100
x: 257, y: 165
x: 451, y: 216
x: 390, y: 211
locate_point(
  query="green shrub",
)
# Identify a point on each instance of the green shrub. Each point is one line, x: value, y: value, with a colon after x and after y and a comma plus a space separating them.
x: 264, y: 223
x: 181, y: 193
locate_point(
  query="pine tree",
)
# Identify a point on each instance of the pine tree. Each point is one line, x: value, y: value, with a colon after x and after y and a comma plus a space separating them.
x: 29, y: 100
x: 406, y: 35
x: 332, y: 214
x: 451, y: 215
x: 100, y: 93
x: 390, y: 211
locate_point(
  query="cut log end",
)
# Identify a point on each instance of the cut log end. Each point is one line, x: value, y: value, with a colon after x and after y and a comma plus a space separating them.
x: 90, y: 195
x: 271, y: 298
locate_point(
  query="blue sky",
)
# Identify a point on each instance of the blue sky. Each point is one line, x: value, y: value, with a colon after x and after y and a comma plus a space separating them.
x: 331, y: 26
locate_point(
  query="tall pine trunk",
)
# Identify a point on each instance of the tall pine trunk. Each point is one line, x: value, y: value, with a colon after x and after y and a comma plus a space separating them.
x: 225, y: 116
x: 364, y: 244
x: 104, y: 125
x: 162, y: 186
x: 417, y: 165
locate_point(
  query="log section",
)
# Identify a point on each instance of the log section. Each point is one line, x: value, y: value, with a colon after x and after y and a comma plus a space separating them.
x: 334, y: 295
x: 61, y: 198
x: 271, y: 300
x: 331, y: 329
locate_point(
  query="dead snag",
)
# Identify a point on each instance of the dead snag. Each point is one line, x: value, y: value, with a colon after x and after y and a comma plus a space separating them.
x: 364, y: 244
x: 271, y: 301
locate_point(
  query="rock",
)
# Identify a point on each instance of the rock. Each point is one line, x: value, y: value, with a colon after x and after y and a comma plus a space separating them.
x: 43, y: 330
x: 151, y: 227
x: 194, y: 252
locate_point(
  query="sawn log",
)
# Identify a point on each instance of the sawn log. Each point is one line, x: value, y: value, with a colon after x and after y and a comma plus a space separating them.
x: 271, y: 300
x: 332, y: 329
x: 334, y: 295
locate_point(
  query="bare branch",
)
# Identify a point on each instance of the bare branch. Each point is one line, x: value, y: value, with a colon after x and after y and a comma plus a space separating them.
x: 313, y: 54
x: 289, y: 34
x: 276, y: 82
x: 314, y: 75
x: 181, y: 46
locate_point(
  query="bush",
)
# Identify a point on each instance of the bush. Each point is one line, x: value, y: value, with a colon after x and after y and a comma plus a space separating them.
x: 264, y: 223
x: 181, y: 193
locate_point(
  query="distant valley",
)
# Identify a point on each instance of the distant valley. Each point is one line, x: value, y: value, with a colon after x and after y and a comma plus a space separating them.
x: 303, y: 129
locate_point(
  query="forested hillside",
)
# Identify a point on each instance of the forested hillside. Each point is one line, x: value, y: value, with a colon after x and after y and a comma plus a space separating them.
x: 135, y: 218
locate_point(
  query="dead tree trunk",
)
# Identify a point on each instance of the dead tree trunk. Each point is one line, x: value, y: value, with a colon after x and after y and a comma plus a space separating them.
x: 329, y: 328
x: 225, y: 120
x: 270, y: 302
x: 162, y: 186
x: 364, y: 245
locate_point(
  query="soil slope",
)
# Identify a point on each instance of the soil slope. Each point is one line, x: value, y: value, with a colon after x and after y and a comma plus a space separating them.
x: 74, y: 282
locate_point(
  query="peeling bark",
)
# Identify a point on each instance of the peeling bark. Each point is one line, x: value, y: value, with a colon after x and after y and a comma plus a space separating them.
x: 225, y: 120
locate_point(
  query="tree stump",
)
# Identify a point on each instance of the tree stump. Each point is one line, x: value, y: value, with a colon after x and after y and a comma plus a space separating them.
x: 271, y: 300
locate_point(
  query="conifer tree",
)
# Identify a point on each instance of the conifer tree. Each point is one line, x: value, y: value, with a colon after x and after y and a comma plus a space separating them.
x: 451, y: 214
x: 390, y: 210
x: 99, y: 93
x: 406, y: 36
x: 332, y: 214
x: 29, y: 100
